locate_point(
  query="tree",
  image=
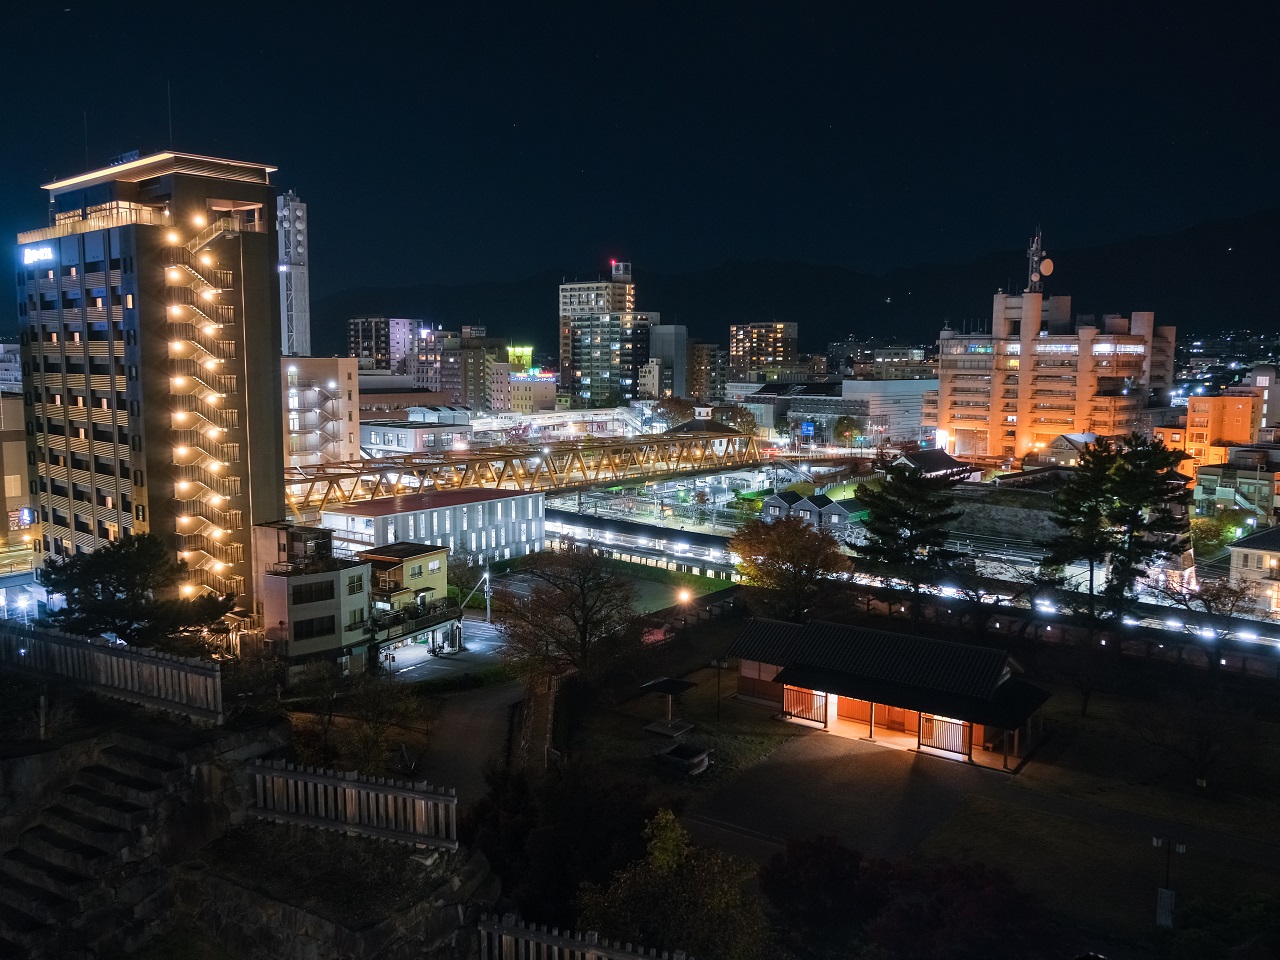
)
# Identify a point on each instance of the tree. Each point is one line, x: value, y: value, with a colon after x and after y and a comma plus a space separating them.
x: 1080, y: 509
x: 740, y: 418
x: 679, y: 897
x: 464, y: 571
x: 1215, y: 604
x: 845, y: 430
x: 579, y: 615
x: 130, y: 589
x: 1147, y: 514
x: 790, y: 562
x: 907, y: 518
x: 674, y: 411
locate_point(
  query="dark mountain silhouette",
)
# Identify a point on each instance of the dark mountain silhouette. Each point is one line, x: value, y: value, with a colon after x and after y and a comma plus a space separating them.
x: 1215, y: 275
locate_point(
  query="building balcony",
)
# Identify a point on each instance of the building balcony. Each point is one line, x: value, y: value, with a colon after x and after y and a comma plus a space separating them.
x: 317, y: 563
x: 119, y: 213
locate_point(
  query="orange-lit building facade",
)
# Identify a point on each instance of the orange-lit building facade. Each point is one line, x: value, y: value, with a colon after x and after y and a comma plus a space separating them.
x: 1213, y: 426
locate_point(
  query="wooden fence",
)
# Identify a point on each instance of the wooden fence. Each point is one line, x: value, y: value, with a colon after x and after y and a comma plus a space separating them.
x: 186, y: 686
x: 370, y: 806
x: 506, y: 938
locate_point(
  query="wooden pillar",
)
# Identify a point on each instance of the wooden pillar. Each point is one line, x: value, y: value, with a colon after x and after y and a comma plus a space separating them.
x: 826, y: 711
x: 1005, y: 742
x: 968, y: 753
x: 871, y: 723
x: 919, y: 727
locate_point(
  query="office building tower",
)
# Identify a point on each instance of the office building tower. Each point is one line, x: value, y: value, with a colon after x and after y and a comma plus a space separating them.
x: 1040, y: 374
x: 321, y: 410
x: 149, y: 310
x: 382, y: 343
x: 669, y: 344
x: 592, y: 298
x: 758, y: 346
x: 708, y: 371
x: 295, y: 291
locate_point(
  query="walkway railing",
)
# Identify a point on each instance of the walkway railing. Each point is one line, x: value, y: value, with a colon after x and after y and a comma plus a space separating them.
x: 369, y: 806
x: 186, y: 686
x: 506, y: 937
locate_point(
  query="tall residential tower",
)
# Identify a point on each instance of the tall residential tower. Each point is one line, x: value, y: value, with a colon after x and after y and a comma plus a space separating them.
x: 148, y: 309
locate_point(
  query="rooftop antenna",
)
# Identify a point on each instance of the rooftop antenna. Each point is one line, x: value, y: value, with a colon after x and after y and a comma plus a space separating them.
x: 168, y: 89
x: 1039, y: 265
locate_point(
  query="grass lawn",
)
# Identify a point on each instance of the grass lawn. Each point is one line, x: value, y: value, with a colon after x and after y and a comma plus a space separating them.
x: 658, y: 589
x: 1099, y: 878
x: 354, y: 881
x: 1100, y: 758
x: 613, y: 739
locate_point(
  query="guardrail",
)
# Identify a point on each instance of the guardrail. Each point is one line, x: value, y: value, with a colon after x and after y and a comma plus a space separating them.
x: 186, y: 686
x: 395, y: 810
x: 506, y: 937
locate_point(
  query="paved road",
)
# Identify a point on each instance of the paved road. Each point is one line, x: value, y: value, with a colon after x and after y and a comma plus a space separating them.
x: 470, y: 731
x: 480, y: 640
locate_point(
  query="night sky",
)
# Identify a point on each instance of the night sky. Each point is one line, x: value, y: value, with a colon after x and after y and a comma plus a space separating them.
x: 450, y: 143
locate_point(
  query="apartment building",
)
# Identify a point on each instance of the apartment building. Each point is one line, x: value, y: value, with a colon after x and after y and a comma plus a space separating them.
x: 490, y: 524
x: 15, y: 496
x: 11, y: 368
x: 151, y: 359
x: 409, y: 592
x: 382, y: 343
x: 605, y: 354
x: 1213, y: 425
x: 759, y: 346
x: 1249, y: 479
x: 589, y: 298
x: 1255, y: 562
x: 321, y: 402
x: 1039, y: 374
x: 708, y: 372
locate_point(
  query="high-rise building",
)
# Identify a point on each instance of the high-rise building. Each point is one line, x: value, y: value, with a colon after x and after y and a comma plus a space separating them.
x: 149, y: 310
x: 1039, y: 374
x: 474, y: 372
x: 321, y: 410
x: 295, y: 290
x: 382, y: 343
x: 759, y: 346
x: 592, y: 298
x: 669, y: 344
x: 708, y: 371
x: 1214, y: 425
x: 605, y: 356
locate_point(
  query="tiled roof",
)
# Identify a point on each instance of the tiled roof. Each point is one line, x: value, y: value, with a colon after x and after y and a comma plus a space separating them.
x: 933, y: 461
x: 1266, y: 539
x: 918, y: 673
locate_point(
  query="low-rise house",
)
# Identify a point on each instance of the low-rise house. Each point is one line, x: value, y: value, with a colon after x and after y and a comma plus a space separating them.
x: 314, y: 605
x: 408, y: 590
x: 1255, y: 562
x: 957, y: 699
x: 818, y: 509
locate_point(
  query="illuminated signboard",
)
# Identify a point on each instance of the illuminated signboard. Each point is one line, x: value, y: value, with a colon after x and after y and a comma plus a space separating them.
x: 36, y: 254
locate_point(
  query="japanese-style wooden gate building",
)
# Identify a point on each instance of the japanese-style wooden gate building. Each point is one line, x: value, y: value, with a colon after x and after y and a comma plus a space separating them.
x: 953, y: 697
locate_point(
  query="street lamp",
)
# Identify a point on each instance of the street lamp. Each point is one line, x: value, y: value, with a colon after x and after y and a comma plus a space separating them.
x: 23, y: 602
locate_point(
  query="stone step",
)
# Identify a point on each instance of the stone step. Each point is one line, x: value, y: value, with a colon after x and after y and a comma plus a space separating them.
x: 87, y: 829
x: 37, y: 901
x: 141, y: 765
x: 120, y: 785
x: 101, y: 806
x: 41, y: 873
x: 63, y: 851
x: 171, y: 746
x: 22, y: 928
